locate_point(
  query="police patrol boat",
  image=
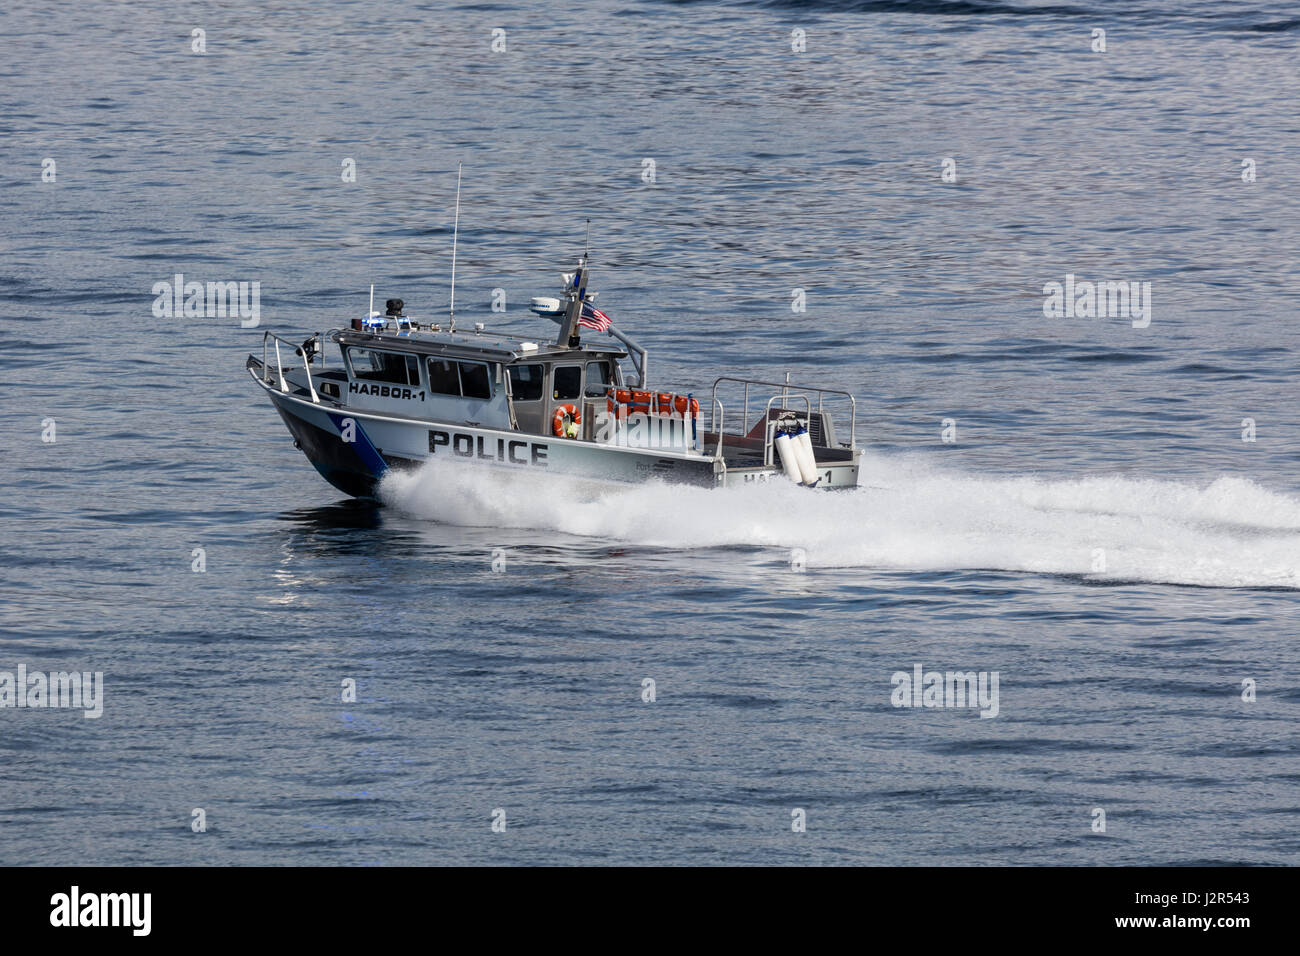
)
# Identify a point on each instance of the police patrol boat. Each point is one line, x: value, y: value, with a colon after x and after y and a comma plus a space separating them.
x: 404, y: 391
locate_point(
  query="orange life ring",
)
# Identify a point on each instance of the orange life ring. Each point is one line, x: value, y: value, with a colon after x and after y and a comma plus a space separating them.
x: 565, y: 411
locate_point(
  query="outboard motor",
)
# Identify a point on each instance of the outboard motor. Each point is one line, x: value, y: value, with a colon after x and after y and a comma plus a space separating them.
x: 795, y: 450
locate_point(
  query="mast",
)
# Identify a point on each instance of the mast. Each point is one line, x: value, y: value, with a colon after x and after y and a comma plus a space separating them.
x: 576, y: 293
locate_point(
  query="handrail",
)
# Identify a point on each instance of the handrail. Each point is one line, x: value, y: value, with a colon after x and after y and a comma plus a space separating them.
x: 717, y: 453
x: 785, y: 387
x: 279, y: 365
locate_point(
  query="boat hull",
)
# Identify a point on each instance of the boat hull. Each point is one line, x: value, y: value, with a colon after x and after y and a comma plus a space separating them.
x: 354, y: 449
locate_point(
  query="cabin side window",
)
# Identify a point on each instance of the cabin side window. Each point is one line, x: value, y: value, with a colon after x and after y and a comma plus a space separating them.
x: 468, y: 379
x: 443, y: 377
x: 474, y: 381
x: 567, y: 382
x: 375, y: 366
x: 526, y: 382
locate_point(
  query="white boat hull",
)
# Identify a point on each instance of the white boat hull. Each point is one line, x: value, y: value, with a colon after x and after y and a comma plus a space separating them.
x: 353, y: 449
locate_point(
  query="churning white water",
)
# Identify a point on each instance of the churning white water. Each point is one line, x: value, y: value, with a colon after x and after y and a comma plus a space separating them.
x: 910, y: 515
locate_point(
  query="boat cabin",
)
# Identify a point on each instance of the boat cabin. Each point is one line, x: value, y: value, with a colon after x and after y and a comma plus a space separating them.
x: 475, y: 378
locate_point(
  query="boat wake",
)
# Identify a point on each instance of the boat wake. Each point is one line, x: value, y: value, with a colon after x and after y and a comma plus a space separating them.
x: 908, y: 515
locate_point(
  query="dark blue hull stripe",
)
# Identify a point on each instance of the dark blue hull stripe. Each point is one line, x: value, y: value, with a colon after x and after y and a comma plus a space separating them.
x: 363, y: 446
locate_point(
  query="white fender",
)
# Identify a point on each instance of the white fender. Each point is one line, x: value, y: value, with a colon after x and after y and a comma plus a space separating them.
x: 787, y: 449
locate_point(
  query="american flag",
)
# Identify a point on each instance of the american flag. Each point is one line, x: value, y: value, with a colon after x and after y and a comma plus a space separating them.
x: 593, y: 318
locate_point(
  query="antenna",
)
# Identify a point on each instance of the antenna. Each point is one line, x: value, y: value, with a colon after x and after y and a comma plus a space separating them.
x: 371, y: 313
x: 455, y: 231
x: 586, y: 250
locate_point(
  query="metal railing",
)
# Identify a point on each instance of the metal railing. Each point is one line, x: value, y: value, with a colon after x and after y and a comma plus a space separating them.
x: 717, y: 452
x: 279, y: 365
x: 784, y: 394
